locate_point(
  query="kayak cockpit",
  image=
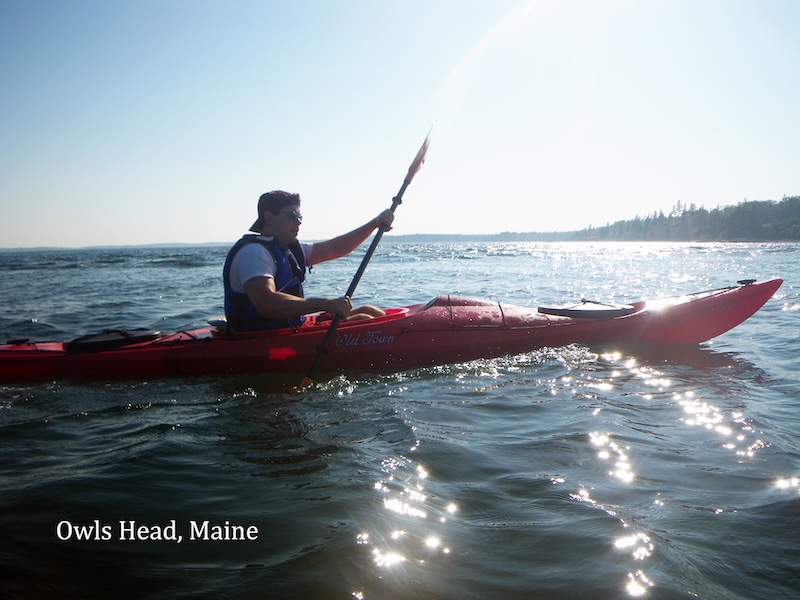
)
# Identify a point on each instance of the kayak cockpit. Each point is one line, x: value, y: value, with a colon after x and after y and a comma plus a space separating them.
x: 313, y: 322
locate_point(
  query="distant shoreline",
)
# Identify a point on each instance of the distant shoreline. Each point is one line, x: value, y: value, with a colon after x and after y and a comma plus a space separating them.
x: 765, y: 221
x: 423, y: 238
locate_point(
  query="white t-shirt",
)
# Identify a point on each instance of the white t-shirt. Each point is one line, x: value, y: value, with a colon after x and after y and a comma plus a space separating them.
x: 254, y: 260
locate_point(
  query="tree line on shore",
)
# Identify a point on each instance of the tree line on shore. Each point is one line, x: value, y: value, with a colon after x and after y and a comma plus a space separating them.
x: 762, y: 220
x: 751, y: 221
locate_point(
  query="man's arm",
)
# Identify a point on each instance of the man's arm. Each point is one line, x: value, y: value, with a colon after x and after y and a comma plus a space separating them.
x: 346, y: 243
x: 272, y: 304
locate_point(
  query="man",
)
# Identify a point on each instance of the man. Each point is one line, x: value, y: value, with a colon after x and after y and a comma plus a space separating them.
x: 263, y: 273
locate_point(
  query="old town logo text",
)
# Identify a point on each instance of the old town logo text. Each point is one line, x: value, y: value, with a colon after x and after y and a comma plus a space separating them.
x: 365, y: 338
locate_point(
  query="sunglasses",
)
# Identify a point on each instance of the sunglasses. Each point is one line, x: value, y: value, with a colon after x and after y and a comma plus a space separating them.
x: 293, y: 215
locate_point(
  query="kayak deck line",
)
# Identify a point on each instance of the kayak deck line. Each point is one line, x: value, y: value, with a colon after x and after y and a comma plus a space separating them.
x: 447, y: 329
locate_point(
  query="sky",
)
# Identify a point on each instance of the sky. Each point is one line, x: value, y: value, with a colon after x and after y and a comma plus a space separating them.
x: 162, y: 121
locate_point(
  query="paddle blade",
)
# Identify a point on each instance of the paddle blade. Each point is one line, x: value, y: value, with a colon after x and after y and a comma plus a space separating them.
x: 418, y: 159
x: 305, y: 384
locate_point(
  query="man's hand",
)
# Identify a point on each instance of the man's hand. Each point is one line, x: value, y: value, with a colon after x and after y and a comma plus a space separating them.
x: 339, y: 306
x: 385, y: 220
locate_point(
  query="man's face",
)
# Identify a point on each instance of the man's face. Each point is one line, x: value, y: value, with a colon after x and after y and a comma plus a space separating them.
x: 285, y: 224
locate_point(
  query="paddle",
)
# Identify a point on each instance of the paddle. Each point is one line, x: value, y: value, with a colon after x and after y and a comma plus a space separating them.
x: 323, y: 347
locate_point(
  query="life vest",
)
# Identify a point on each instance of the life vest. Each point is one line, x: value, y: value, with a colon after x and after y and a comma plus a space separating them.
x: 290, y: 261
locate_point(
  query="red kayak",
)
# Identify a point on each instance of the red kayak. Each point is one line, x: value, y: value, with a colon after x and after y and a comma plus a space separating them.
x: 448, y: 329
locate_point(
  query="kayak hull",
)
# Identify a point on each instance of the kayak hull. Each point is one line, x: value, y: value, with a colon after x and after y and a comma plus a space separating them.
x: 449, y: 329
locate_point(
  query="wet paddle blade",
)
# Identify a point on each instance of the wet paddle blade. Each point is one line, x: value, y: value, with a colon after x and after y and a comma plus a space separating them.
x: 419, y: 158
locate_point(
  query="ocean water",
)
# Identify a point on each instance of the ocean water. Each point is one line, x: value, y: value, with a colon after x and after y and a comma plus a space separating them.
x: 561, y: 473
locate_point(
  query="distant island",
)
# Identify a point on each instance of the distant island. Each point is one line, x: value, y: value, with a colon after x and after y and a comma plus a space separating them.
x: 748, y: 221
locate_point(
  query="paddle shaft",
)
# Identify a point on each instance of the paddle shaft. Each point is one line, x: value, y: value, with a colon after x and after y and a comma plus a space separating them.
x: 323, y: 347
x: 378, y: 235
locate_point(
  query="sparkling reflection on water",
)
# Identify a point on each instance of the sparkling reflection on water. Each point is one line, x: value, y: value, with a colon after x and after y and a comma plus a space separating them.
x: 654, y: 405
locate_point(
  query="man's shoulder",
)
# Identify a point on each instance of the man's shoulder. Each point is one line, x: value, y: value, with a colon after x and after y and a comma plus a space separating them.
x: 259, y: 246
x: 252, y: 251
x: 254, y: 244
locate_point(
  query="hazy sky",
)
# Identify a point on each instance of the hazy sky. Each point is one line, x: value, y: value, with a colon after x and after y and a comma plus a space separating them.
x: 164, y: 120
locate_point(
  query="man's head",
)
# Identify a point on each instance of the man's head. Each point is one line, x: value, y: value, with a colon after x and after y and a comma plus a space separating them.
x: 274, y: 207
